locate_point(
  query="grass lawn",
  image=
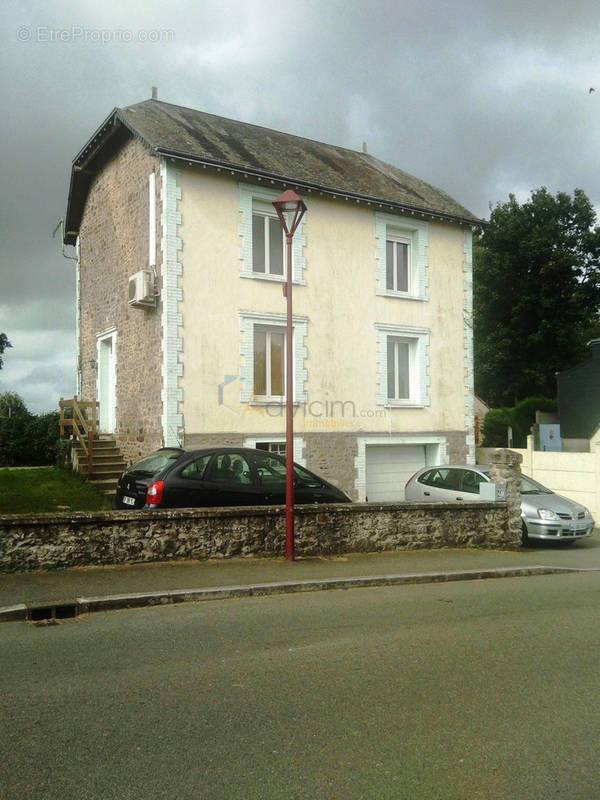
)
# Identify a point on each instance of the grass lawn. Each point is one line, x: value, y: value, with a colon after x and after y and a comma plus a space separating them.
x: 31, y: 489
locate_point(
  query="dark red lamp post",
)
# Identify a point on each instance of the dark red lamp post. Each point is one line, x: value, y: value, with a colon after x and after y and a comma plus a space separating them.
x: 290, y: 210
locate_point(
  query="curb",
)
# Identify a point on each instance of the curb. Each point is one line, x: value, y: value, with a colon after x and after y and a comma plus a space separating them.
x: 83, y: 605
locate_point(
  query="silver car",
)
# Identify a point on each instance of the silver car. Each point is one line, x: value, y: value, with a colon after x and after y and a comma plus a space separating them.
x: 545, y: 515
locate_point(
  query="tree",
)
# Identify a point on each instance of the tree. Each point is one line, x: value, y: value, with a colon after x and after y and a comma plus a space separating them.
x: 12, y: 404
x: 4, y: 343
x: 536, y: 294
x: 26, y: 439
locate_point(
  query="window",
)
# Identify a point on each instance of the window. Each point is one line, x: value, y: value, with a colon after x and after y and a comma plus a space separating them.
x: 230, y: 468
x: 470, y: 480
x: 400, y: 355
x: 262, y: 238
x: 272, y: 447
x: 271, y: 471
x: 267, y: 241
x: 263, y: 365
x: 194, y: 471
x: 275, y: 443
x: 397, y: 260
x: 269, y: 362
x: 401, y: 256
x: 306, y: 479
x: 403, y: 366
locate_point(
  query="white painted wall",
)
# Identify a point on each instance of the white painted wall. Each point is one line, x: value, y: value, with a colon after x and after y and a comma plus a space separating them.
x: 574, y: 475
x: 340, y: 301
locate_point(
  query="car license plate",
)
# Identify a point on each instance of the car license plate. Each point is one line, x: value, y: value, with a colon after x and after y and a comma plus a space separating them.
x: 129, y: 501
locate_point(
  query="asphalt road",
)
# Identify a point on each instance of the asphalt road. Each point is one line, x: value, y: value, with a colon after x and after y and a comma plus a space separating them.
x: 483, y: 689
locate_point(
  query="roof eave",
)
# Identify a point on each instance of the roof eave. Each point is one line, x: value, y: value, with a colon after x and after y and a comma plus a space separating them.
x: 310, y: 186
x: 80, y: 175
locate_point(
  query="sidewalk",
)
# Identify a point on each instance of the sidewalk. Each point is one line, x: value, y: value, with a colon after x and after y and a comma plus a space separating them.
x: 96, y: 588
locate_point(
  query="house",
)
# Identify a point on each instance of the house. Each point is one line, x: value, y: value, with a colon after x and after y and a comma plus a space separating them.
x: 579, y: 401
x: 181, y: 314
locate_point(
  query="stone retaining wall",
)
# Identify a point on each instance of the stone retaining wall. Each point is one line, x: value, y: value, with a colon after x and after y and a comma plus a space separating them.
x: 126, y: 537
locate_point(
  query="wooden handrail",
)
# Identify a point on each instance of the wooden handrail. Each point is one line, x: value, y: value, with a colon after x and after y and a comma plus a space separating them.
x: 83, y: 421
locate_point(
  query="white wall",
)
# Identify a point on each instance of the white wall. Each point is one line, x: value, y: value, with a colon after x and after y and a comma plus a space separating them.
x: 340, y: 301
x: 574, y: 475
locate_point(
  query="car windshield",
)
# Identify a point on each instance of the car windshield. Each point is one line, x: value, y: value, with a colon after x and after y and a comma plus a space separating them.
x: 154, y: 463
x: 529, y: 486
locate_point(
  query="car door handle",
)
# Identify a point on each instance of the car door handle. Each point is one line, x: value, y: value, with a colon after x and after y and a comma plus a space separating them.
x: 460, y: 499
x: 427, y: 494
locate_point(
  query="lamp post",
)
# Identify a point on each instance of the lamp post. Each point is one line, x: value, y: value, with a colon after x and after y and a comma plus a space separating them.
x: 290, y: 210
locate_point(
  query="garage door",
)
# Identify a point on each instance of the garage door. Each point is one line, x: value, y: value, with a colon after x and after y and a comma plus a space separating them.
x: 389, y: 467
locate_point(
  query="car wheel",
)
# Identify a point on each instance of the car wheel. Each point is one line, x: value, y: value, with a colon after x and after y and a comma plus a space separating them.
x: 524, y: 535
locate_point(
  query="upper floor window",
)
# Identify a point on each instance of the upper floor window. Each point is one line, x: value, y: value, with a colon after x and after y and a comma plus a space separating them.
x: 397, y: 263
x: 262, y: 250
x: 402, y: 366
x: 401, y: 256
x: 269, y: 362
x: 267, y: 240
x: 263, y: 367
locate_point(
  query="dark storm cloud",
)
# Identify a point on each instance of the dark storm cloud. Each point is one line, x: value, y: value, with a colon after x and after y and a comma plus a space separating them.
x: 479, y: 98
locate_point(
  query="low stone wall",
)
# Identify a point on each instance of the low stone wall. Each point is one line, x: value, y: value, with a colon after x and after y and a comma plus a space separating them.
x: 126, y: 537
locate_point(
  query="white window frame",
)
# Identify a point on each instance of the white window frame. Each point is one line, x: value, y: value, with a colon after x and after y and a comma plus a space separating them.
x: 395, y: 237
x: 269, y: 330
x: 418, y: 340
x: 267, y: 214
x: 409, y: 231
x: 394, y: 341
x: 251, y: 321
x: 252, y: 441
x: 257, y: 199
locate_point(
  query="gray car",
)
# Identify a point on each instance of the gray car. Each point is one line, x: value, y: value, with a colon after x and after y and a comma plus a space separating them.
x: 545, y: 515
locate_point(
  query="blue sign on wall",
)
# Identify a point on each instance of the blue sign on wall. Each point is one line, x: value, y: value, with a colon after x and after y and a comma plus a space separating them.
x: 550, y: 437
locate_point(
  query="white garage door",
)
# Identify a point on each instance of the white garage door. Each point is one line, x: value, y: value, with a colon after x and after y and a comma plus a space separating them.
x: 388, y: 469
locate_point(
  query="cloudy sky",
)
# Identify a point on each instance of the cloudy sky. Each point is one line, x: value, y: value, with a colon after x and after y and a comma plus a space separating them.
x: 480, y: 98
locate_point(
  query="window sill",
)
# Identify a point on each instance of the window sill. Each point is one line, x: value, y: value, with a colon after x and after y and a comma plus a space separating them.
x: 273, y: 402
x: 404, y: 404
x: 402, y: 295
x: 260, y: 276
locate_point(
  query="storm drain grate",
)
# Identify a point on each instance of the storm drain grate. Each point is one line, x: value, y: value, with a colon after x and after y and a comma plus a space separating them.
x: 54, y: 611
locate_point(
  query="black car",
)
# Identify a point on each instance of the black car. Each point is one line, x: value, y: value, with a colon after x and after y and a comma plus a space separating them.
x: 225, y: 476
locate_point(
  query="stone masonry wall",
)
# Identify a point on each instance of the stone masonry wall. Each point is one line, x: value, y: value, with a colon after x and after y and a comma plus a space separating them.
x: 125, y: 537
x: 505, y: 468
x: 113, y: 246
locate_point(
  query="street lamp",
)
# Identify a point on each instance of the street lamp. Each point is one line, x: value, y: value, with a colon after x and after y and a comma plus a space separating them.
x: 290, y: 210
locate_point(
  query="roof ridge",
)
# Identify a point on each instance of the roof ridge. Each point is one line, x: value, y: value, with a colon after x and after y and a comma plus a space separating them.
x: 248, y: 124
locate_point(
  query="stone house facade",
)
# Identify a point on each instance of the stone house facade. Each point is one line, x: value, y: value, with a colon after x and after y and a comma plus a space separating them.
x: 181, y: 314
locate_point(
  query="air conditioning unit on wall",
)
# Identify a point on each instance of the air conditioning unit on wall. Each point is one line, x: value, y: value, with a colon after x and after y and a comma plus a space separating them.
x: 141, y: 289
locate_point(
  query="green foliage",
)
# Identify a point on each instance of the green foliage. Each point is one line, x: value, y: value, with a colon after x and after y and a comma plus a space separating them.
x: 520, y: 419
x: 523, y: 417
x: 536, y: 294
x: 12, y: 404
x: 4, y: 343
x: 495, y: 427
x: 26, y: 439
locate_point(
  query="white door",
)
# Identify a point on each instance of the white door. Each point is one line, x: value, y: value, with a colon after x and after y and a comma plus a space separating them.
x: 388, y: 468
x: 107, y: 381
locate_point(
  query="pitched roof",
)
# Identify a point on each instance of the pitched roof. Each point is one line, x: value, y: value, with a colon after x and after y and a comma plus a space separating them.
x: 186, y: 134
